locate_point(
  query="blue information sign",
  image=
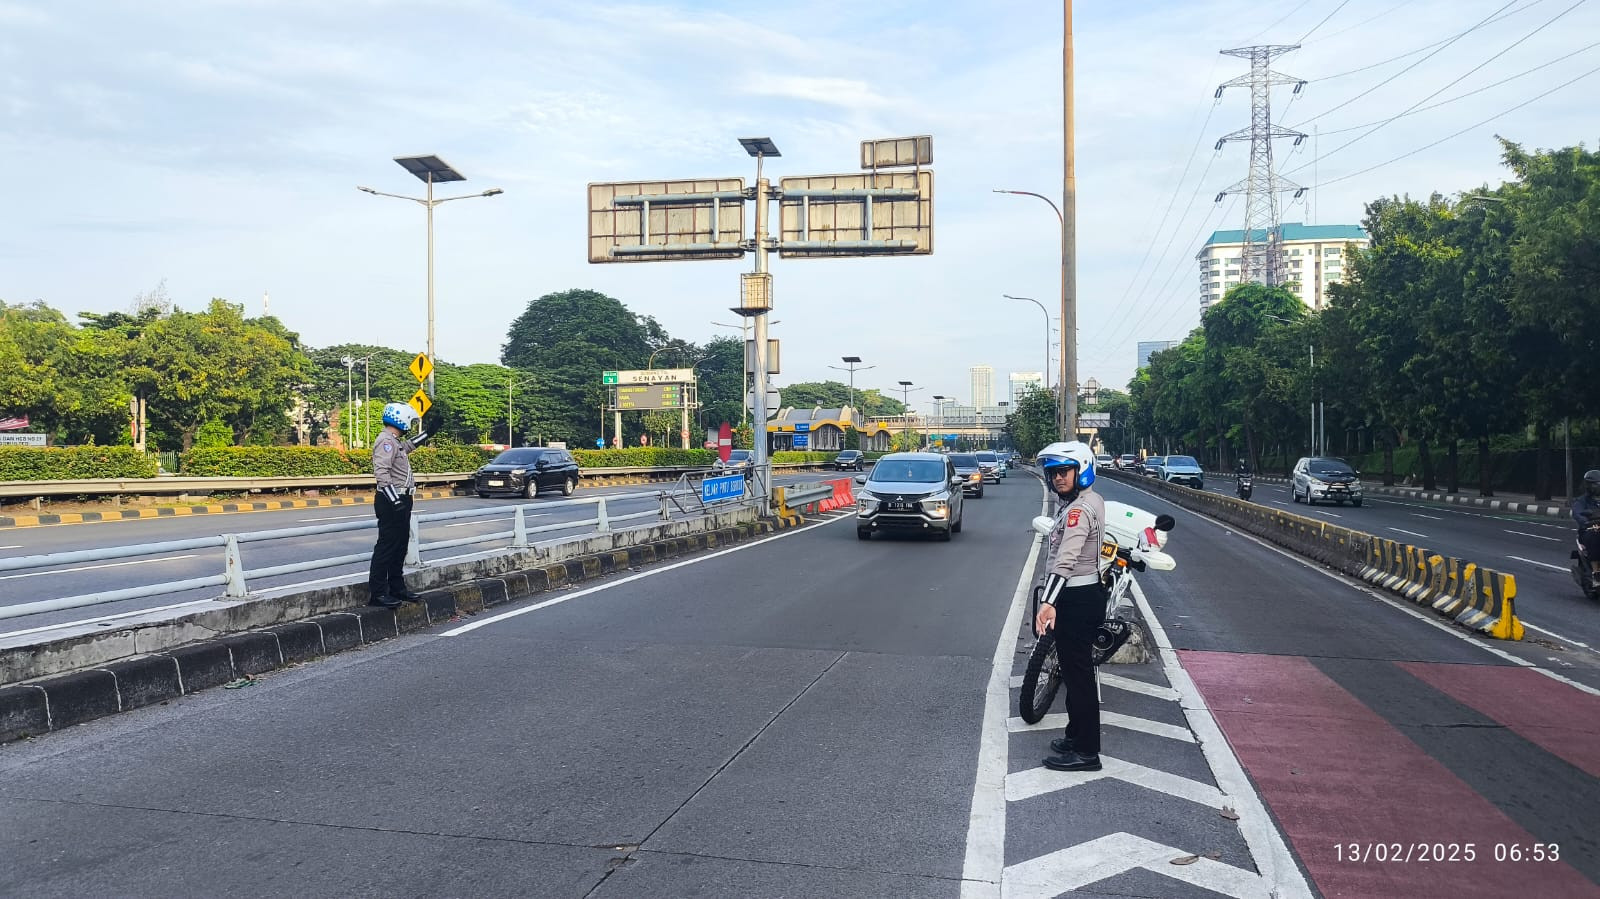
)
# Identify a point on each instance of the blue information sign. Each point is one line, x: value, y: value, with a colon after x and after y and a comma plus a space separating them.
x: 801, y: 427
x: 724, y: 487
x: 802, y: 440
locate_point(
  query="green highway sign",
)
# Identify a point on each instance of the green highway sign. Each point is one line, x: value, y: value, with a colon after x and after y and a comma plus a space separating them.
x: 608, y: 377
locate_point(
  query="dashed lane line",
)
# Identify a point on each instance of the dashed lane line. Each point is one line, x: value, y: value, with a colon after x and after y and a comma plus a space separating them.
x: 1412, y: 533
x: 1534, y: 536
x: 1540, y: 564
x: 55, y: 571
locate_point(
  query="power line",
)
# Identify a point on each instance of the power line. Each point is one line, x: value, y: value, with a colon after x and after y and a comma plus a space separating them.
x: 1543, y: 65
x: 1372, y: 18
x: 1486, y: 121
x: 1419, y: 62
x: 1280, y: 21
x: 1323, y: 22
x: 1412, y: 108
x: 1384, y: 62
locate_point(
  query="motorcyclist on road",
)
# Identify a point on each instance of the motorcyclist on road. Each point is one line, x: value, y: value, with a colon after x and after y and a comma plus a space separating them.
x: 1243, y: 470
x: 1586, y: 512
x: 1074, y: 601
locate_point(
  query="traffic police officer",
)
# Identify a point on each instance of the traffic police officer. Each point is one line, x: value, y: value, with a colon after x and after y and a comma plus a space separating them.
x: 1074, y: 601
x: 391, y: 468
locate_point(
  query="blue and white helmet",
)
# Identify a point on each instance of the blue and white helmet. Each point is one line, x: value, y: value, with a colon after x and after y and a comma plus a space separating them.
x: 399, y: 415
x: 1068, y: 453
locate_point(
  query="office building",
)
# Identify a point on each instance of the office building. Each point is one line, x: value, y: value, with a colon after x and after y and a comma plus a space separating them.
x: 1149, y: 347
x: 1313, y: 258
x: 982, y: 385
x: 1023, y: 383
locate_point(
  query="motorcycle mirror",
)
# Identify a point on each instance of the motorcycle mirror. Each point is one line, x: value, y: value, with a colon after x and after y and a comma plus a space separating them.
x: 1043, y: 524
x: 1165, y: 522
x: 1158, y: 560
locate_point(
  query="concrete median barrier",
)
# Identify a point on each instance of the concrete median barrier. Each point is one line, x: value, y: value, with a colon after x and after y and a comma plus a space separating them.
x: 1479, y: 598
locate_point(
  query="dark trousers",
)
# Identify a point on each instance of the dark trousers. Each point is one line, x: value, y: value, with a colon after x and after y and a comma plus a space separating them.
x: 1590, y: 538
x: 387, y: 575
x: 1079, y: 613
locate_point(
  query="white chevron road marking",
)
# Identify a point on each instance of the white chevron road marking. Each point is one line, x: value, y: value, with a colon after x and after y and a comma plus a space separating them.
x: 1126, y: 722
x: 1069, y: 869
x: 1038, y: 781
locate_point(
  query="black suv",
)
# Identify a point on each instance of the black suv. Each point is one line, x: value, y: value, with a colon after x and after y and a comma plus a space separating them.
x: 849, y: 459
x: 525, y: 471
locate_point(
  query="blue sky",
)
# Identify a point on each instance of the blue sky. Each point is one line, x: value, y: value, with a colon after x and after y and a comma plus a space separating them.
x: 217, y: 146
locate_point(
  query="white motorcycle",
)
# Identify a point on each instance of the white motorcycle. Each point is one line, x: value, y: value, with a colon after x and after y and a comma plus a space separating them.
x: 1134, y: 542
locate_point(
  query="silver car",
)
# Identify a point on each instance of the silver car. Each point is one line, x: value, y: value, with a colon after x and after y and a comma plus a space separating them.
x: 1324, y: 478
x: 910, y: 493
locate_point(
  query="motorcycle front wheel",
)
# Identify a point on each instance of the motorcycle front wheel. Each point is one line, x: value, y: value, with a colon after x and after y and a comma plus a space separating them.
x: 1040, y: 680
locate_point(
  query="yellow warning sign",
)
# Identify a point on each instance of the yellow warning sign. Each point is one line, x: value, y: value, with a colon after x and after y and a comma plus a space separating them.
x: 420, y: 402
x: 421, y: 367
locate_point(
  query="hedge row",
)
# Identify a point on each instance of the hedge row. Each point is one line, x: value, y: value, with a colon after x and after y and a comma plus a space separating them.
x: 72, y: 463
x: 316, y: 461
x: 643, y: 457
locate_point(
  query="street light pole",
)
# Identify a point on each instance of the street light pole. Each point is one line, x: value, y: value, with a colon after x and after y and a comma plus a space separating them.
x: 744, y: 361
x: 855, y: 365
x: 905, y: 402
x: 430, y: 169
x: 1046, y: 334
x: 349, y: 400
x: 1068, y: 399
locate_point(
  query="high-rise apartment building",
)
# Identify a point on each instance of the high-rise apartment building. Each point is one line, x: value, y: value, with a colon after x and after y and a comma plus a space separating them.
x: 1023, y: 383
x: 1149, y: 347
x: 982, y: 385
x: 1313, y: 258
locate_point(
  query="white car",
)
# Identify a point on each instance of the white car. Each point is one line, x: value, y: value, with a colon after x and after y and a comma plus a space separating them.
x: 1104, y: 460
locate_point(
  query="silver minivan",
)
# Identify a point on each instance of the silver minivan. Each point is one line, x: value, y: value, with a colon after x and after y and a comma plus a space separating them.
x: 910, y: 493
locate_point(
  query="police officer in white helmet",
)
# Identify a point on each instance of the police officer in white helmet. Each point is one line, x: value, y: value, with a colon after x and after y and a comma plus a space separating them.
x: 1074, y: 601
x: 391, y: 468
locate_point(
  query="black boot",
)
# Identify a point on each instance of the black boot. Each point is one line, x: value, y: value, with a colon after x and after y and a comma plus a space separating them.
x: 1061, y: 745
x: 387, y: 602
x: 1073, y: 761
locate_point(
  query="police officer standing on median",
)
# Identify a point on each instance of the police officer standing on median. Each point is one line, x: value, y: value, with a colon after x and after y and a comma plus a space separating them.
x: 1074, y: 601
x: 391, y: 468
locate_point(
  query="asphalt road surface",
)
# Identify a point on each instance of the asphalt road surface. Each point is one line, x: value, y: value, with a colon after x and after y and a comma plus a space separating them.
x: 1533, y: 548
x: 811, y: 715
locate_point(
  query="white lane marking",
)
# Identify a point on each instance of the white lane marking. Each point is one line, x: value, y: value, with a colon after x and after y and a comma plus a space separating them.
x: 10, y: 577
x: 494, y: 619
x: 338, y: 517
x: 1426, y: 618
x: 487, y: 520
x: 1540, y: 564
x: 12, y: 546
x: 1066, y: 870
x: 1560, y: 637
x: 1534, y: 536
x: 1136, y: 686
x: 133, y: 614
x: 1038, y: 781
x: 1429, y: 517
x: 983, y: 866
x: 1412, y: 533
x: 1058, y: 720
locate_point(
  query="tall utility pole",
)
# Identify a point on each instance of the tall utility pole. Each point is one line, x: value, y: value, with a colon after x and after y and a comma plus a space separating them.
x: 1261, y: 259
x: 1068, y: 423
x: 855, y: 365
x: 905, y: 400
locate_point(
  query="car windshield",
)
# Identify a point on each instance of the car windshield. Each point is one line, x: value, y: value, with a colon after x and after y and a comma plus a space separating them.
x: 518, y: 457
x: 1182, y: 461
x: 739, y: 455
x: 1331, y: 466
x: 964, y: 460
x: 988, y: 457
x: 849, y: 454
x: 925, y: 471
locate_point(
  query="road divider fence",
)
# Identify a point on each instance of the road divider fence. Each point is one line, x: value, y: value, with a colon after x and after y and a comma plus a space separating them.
x: 1474, y: 596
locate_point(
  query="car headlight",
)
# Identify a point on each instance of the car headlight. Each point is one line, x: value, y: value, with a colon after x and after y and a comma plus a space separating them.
x: 975, y: 477
x: 1313, y: 482
x: 937, y: 506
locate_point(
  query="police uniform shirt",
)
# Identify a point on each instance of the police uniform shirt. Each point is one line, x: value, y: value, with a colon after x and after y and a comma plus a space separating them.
x: 1078, y: 535
x: 391, y: 461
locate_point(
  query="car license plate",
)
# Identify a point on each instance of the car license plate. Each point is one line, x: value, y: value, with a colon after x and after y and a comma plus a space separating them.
x: 899, y: 505
x: 497, y: 483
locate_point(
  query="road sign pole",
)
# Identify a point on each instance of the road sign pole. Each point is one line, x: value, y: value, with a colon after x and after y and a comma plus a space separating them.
x: 761, y: 464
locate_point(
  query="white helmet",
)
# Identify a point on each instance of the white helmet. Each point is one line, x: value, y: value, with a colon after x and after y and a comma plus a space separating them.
x: 1069, y: 453
x: 399, y: 415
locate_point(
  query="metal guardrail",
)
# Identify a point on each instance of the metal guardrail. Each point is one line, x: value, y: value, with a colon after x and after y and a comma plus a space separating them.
x: 233, y: 576
x: 175, y: 484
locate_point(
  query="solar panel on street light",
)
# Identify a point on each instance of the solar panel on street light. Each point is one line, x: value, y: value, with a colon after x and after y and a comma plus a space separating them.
x: 429, y: 169
x: 850, y: 358
x: 759, y: 146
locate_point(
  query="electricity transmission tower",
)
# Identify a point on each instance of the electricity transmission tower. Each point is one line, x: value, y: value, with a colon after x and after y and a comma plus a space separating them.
x: 1262, y: 257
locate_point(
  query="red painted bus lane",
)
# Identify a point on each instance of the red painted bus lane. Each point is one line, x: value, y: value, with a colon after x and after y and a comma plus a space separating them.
x: 1366, y: 810
x: 1559, y: 718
